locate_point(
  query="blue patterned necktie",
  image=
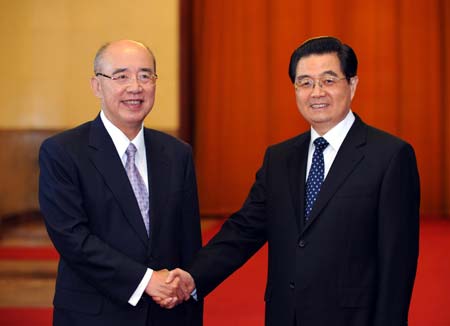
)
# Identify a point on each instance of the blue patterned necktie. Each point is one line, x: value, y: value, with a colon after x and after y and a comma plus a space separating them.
x: 315, y: 176
x: 138, y: 185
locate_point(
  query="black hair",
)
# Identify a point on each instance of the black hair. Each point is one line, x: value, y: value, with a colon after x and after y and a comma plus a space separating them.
x: 322, y: 45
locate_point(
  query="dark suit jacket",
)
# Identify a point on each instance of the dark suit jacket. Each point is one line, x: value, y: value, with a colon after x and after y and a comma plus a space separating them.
x: 354, y: 262
x: 94, y: 221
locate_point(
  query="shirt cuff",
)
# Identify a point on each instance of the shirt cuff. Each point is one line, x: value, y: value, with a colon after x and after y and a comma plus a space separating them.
x: 141, y: 288
x: 194, y: 294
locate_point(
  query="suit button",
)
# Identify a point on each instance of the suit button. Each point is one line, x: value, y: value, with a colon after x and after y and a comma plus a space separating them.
x: 302, y: 243
x: 292, y: 285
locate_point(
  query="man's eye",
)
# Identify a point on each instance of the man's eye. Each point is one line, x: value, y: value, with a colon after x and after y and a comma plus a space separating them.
x: 144, y: 76
x: 121, y: 77
x: 328, y: 81
x: 306, y: 83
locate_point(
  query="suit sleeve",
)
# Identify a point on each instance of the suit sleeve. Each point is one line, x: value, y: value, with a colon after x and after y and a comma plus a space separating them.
x: 398, y: 238
x: 112, y: 273
x: 240, y: 237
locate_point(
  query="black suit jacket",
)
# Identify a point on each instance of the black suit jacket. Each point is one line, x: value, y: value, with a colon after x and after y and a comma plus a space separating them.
x: 94, y: 221
x: 354, y: 262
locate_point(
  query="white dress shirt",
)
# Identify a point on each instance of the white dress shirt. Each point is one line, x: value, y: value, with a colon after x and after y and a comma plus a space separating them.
x: 335, y: 137
x: 121, y: 143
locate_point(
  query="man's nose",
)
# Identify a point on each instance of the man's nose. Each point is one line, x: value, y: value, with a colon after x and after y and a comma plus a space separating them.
x: 317, y: 89
x: 134, y: 85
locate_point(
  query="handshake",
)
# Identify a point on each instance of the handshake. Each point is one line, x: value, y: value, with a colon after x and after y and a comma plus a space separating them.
x: 170, y: 288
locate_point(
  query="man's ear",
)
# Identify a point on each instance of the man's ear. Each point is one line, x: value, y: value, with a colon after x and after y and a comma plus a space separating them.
x: 353, y: 84
x: 96, y: 87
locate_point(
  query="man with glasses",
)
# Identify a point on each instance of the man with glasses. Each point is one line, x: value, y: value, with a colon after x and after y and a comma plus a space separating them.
x: 120, y: 203
x: 338, y: 206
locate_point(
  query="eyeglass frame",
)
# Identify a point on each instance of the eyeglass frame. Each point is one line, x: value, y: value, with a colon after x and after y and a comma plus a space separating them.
x: 152, y: 79
x: 319, y: 81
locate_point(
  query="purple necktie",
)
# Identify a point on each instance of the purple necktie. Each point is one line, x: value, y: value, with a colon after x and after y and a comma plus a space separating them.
x: 315, y: 176
x: 138, y: 185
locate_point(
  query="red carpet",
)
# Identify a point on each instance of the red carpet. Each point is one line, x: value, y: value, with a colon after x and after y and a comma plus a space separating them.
x: 27, y: 253
x: 430, y: 304
x: 239, y: 300
x: 25, y: 316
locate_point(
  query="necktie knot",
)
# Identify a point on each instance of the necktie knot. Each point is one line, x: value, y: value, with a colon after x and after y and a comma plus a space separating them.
x: 131, y: 152
x: 320, y: 144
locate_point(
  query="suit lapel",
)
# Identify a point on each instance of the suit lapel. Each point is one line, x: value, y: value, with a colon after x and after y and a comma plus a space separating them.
x: 108, y: 163
x: 158, y: 166
x: 347, y: 158
x: 297, y: 174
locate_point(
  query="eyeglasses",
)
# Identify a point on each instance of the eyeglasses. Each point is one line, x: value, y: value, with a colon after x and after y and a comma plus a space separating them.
x: 124, y: 78
x: 308, y: 83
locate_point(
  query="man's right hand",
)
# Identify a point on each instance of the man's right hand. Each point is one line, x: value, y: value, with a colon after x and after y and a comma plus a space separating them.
x: 182, y: 282
x: 159, y: 288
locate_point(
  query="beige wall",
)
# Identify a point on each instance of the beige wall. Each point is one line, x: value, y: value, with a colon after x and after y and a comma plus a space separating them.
x: 47, y: 52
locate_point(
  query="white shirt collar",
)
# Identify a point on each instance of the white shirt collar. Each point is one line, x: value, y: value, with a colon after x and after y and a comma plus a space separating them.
x: 120, y: 140
x: 336, y: 135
